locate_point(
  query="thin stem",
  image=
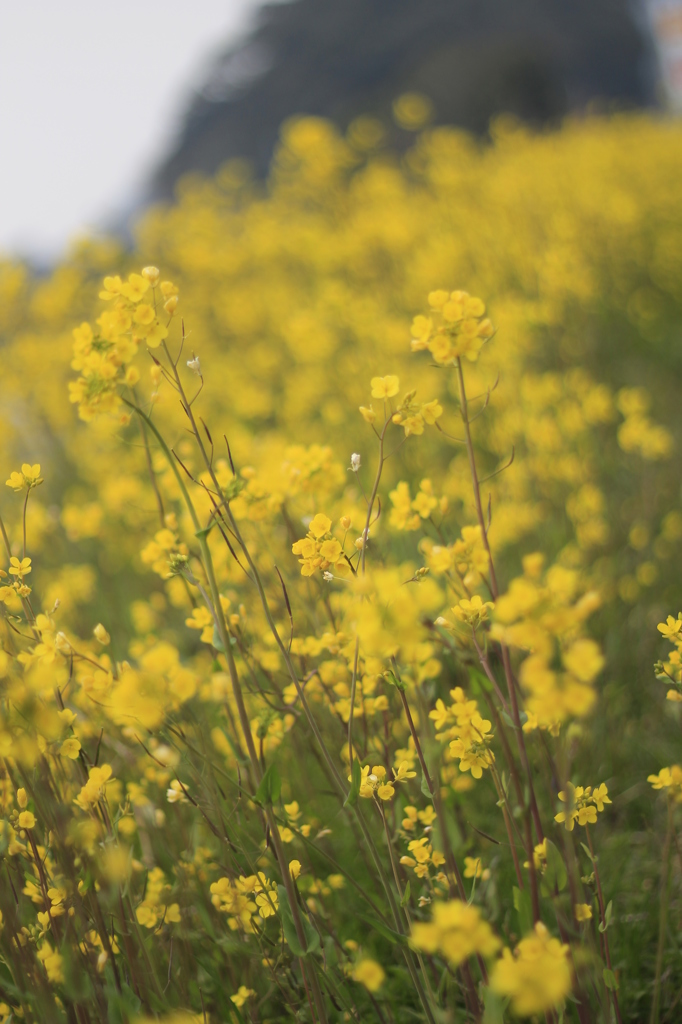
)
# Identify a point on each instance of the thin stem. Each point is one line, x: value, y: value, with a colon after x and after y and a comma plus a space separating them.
x: 453, y: 867
x: 508, y: 825
x: 602, y: 914
x: 662, y: 917
x: 405, y: 908
x: 28, y: 491
x: 506, y: 662
x: 363, y: 559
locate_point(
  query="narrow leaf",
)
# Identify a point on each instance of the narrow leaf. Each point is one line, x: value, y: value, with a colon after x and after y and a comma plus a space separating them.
x: 216, y: 641
x: 270, y: 787
x: 356, y: 779
x: 388, y: 933
x: 556, y: 876
x: 523, y: 910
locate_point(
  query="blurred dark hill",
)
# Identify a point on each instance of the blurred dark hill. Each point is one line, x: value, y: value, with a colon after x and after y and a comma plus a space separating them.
x: 537, y: 59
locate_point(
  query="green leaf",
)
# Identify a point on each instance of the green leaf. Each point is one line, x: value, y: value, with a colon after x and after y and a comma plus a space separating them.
x: 216, y: 641
x: 235, y: 487
x: 383, y: 929
x: 610, y: 979
x: 406, y: 895
x: 270, y: 787
x: 356, y: 779
x: 205, y: 532
x: 508, y: 720
x: 425, y: 788
x: 237, y: 1012
x: 289, y: 928
x: 608, y: 915
x: 556, y: 876
x: 588, y: 852
x: 523, y: 910
x: 493, y: 1007
x: 391, y: 678
x: 122, y: 1003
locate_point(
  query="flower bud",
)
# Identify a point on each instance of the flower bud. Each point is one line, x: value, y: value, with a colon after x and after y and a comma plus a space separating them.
x: 345, y: 522
x: 152, y: 274
x: 61, y: 643
x: 101, y: 634
x: 170, y: 305
x: 22, y: 799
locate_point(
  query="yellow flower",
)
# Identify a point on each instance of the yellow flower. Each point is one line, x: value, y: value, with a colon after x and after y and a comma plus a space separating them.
x: 473, y: 612
x: 473, y: 867
x: 319, y: 525
x: 156, y: 334
x: 241, y: 995
x: 19, y: 568
x: 369, y: 973
x: 144, y: 314
x: 404, y: 772
x: 294, y: 868
x: 412, y: 110
x: 135, y: 287
x: 583, y: 911
x: 330, y: 550
x: 457, y: 931
x: 385, y: 387
x: 29, y: 477
x: 27, y: 820
x: 70, y: 748
x: 584, y: 659
x: 670, y: 628
x: 670, y: 779
x: 537, y: 977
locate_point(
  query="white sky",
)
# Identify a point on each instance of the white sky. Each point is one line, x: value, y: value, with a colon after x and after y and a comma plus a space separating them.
x: 91, y: 93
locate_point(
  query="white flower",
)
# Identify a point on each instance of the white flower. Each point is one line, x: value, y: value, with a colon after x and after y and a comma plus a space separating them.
x: 327, y: 576
x: 194, y: 364
x: 175, y: 793
x: 355, y: 461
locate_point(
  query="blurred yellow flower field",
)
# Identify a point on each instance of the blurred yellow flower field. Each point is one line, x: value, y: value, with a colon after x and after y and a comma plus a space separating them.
x: 340, y: 516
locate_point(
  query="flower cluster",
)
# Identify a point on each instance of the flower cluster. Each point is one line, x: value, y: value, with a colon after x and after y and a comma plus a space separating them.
x: 456, y: 327
x: 582, y: 804
x: 29, y: 477
x: 104, y: 356
x: 319, y: 549
x: 407, y: 512
x: 376, y: 781
x: 545, y: 615
x: 537, y: 976
x: 466, y: 730
x: 245, y: 898
x: 154, y: 910
x: 456, y: 931
x: 670, y: 780
x: 466, y: 560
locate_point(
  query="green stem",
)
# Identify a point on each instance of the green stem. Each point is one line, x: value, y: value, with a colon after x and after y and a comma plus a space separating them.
x: 662, y: 917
